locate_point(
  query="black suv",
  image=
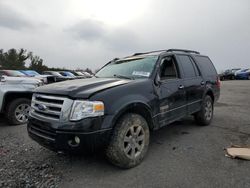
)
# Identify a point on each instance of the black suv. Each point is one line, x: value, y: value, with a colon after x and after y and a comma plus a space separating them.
x: 127, y: 99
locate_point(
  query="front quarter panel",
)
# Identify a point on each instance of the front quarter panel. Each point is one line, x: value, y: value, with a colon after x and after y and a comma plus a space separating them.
x: 117, y: 99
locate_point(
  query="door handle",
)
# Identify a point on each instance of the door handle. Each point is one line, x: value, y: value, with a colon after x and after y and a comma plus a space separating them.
x: 181, y: 87
x: 202, y: 83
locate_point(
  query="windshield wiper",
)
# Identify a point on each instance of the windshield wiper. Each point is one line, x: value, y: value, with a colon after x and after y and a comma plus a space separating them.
x: 122, y: 76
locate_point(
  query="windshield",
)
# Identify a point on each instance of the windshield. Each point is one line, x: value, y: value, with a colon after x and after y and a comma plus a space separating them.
x: 30, y: 73
x: 137, y: 67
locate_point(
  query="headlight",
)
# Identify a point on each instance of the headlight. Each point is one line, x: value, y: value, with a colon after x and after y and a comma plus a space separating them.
x: 84, y: 109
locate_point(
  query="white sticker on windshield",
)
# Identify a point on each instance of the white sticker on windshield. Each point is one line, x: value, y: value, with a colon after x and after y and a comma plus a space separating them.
x: 141, y: 73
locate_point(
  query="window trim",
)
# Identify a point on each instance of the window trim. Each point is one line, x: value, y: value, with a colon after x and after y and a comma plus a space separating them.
x: 196, y: 68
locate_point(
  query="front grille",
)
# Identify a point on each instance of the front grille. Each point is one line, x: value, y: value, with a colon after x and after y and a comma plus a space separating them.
x: 47, y: 106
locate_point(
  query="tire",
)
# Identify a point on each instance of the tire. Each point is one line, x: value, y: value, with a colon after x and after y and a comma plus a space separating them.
x: 205, y: 115
x: 248, y: 77
x: 129, y: 141
x: 17, y: 111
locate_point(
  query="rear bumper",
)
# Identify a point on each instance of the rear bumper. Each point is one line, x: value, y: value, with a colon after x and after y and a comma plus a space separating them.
x: 64, y: 140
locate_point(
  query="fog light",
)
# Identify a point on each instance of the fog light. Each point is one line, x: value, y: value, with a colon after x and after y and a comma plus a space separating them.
x: 74, y: 142
x: 77, y: 140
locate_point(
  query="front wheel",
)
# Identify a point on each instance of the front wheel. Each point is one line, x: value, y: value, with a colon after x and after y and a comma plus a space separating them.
x: 18, y: 111
x: 205, y: 115
x: 129, y: 142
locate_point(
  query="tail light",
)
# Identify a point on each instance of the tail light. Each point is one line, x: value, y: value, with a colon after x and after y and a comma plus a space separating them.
x: 218, y: 82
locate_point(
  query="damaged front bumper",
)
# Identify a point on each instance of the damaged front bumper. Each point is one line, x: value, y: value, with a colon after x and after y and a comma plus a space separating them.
x: 76, y: 138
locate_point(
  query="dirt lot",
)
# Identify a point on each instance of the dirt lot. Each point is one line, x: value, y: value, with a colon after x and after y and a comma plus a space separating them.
x: 180, y: 155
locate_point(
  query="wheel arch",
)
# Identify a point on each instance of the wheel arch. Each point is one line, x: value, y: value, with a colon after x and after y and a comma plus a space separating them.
x: 10, y: 96
x: 138, y: 108
x: 210, y: 93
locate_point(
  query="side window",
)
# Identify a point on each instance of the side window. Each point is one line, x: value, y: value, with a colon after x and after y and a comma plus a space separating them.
x: 187, y: 65
x: 168, y: 69
x: 206, y: 65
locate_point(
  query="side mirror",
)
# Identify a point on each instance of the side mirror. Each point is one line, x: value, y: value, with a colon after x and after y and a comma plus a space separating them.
x: 2, y: 78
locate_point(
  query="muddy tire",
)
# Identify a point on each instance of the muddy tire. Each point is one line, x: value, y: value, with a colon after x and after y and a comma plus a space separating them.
x: 17, y: 111
x: 129, y: 141
x: 205, y: 115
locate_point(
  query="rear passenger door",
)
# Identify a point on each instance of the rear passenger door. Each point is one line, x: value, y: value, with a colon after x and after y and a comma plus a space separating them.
x: 193, y: 83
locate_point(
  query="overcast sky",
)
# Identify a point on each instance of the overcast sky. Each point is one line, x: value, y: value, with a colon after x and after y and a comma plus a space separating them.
x: 88, y: 33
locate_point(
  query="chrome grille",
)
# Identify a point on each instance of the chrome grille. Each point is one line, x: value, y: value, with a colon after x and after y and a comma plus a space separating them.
x: 50, y: 107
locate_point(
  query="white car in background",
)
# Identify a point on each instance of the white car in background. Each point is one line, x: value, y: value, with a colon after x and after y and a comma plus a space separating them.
x: 15, y: 97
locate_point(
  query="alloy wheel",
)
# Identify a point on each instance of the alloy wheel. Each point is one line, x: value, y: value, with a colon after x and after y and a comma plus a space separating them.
x: 208, y: 110
x: 22, y: 113
x: 134, y: 141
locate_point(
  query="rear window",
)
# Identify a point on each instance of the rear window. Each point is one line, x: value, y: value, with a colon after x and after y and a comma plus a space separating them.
x: 206, y: 66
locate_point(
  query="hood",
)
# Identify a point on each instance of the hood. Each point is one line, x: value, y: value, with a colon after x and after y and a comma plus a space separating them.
x: 21, y: 80
x: 81, y: 88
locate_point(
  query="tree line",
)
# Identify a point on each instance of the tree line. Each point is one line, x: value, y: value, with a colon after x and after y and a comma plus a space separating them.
x: 22, y: 59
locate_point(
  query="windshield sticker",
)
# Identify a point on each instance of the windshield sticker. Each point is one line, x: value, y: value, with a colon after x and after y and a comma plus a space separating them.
x: 141, y: 73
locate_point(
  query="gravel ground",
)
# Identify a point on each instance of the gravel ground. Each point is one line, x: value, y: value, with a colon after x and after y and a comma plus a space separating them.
x: 180, y: 155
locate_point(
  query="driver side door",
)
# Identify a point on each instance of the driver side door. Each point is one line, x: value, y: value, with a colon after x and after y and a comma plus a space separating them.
x: 172, y: 95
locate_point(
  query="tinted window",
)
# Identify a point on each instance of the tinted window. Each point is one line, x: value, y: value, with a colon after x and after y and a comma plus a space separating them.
x: 187, y: 65
x: 206, y: 66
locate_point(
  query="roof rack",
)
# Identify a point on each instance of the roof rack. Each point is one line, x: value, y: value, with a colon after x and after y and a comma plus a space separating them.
x: 141, y: 53
x: 182, y: 50
x: 169, y: 50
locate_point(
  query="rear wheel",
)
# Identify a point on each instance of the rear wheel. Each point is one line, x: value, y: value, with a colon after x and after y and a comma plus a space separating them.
x: 18, y: 111
x: 205, y: 115
x: 129, y: 142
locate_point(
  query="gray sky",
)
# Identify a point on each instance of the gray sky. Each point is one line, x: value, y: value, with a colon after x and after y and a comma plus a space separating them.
x: 88, y: 33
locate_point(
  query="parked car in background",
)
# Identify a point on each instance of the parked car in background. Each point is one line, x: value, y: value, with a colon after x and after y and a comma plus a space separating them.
x: 15, y: 97
x: 229, y: 74
x: 58, y: 76
x: 13, y: 73
x: 88, y: 75
x: 68, y: 74
x: 78, y: 74
x: 16, y: 73
x: 46, y: 78
x: 243, y: 74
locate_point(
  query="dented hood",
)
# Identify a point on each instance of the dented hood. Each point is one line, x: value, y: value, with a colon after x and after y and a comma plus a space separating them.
x: 81, y: 88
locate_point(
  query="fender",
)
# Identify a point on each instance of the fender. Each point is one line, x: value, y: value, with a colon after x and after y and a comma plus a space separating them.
x: 138, y: 106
